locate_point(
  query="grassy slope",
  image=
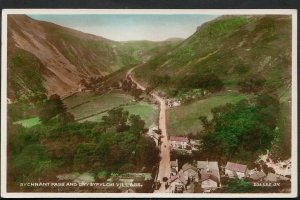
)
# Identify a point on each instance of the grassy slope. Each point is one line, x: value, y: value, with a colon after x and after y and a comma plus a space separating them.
x: 91, y: 107
x: 85, y: 104
x: 184, y: 119
x: 27, y: 123
x: 24, y: 75
x: 232, y: 47
x: 146, y: 111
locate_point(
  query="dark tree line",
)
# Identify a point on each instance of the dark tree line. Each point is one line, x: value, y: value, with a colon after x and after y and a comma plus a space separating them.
x: 207, y: 81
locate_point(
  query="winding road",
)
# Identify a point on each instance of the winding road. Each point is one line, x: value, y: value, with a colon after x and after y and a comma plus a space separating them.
x: 164, y: 165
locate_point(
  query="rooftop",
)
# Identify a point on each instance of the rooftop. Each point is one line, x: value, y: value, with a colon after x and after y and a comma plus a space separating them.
x: 206, y: 176
x: 179, y: 177
x: 257, y: 175
x: 212, y: 165
x: 188, y: 166
x: 236, y: 167
x: 178, y: 139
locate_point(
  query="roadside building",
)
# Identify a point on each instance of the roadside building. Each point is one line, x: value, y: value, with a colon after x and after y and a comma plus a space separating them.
x: 178, y: 142
x: 257, y: 176
x: 209, y: 181
x: 209, y: 174
x: 235, y: 170
x: 271, y: 177
x: 190, y: 172
x: 177, y: 183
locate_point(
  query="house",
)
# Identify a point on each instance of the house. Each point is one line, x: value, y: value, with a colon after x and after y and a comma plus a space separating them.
x: 179, y: 142
x: 209, y: 174
x: 190, y: 172
x: 271, y: 177
x: 209, y: 181
x: 174, y: 167
x: 235, y: 170
x: 177, y: 183
x: 257, y: 176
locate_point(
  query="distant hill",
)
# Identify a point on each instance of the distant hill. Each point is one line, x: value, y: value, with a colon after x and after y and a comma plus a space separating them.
x: 47, y: 58
x: 233, y: 48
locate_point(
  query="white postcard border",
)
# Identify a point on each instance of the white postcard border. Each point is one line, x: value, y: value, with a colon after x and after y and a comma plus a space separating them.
x: 294, y: 177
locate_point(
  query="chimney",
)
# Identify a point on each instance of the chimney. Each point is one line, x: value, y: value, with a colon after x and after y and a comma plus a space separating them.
x: 207, y: 168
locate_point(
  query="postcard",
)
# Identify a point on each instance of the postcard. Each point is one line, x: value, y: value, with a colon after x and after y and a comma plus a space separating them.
x: 149, y: 103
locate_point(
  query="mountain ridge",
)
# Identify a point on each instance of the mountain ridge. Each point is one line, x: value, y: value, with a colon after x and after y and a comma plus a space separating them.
x: 231, y: 47
x: 65, y: 56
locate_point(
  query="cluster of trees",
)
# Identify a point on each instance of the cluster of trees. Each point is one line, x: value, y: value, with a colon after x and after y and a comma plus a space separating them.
x: 54, y: 107
x: 94, y: 83
x: 204, y: 81
x: 207, y: 81
x: 117, y: 144
x: 129, y: 86
x: 39, y: 105
x: 251, y: 85
x: 242, y: 131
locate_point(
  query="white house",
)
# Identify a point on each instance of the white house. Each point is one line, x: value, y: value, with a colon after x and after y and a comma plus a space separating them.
x: 235, y: 170
x: 178, y: 142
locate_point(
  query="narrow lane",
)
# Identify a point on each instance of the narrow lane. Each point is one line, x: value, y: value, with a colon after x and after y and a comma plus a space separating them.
x: 164, y: 165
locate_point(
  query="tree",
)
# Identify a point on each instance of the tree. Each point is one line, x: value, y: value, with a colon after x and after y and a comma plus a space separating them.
x: 137, y: 125
x: 147, y: 154
x: 53, y: 107
x: 149, y: 90
x: 206, y: 124
x: 136, y: 93
x: 116, y: 118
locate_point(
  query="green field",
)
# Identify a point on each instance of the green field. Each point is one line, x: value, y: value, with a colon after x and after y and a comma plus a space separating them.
x: 91, y: 107
x: 83, y: 105
x: 183, y: 120
x: 29, y: 122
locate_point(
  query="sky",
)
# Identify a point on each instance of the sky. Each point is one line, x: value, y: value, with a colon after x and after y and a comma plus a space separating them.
x: 126, y: 27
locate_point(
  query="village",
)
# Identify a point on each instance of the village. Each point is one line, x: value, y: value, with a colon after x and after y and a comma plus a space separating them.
x: 205, y: 176
x: 198, y: 176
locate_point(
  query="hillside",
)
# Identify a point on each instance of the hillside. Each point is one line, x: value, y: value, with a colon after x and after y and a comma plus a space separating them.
x: 45, y: 57
x: 232, y: 48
